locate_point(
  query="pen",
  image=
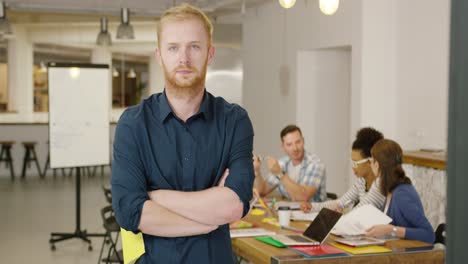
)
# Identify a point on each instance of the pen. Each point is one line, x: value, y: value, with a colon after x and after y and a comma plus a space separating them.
x: 292, y: 229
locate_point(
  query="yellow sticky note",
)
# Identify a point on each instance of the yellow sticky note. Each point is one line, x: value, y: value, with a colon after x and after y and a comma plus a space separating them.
x: 133, y: 246
x: 256, y: 211
x: 271, y: 221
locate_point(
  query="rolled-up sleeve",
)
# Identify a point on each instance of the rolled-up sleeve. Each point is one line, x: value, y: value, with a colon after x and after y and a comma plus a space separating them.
x: 128, y: 180
x: 241, y: 173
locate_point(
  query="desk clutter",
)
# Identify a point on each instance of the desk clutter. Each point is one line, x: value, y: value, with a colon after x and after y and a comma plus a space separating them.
x: 265, y: 229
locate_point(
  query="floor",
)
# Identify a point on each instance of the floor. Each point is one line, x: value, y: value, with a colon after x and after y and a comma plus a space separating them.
x: 33, y: 208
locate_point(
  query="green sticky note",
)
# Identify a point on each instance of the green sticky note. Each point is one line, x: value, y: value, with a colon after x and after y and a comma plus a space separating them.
x: 270, y: 241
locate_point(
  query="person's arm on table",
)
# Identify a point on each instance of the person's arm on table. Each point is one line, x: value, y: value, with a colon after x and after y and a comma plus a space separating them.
x: 296, y: 191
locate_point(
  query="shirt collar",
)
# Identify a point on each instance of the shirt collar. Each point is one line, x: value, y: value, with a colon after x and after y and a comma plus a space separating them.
x: 205, y: 108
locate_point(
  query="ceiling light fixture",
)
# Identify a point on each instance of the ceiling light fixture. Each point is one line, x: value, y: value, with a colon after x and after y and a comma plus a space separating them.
x: 287, y: 3
x: 42, y: 67
x: 104, y: 38
x: 131, y: 73
x: 115, y: 72
x: 5, y: 28
x: 329, y: 7
x: 125, y: 30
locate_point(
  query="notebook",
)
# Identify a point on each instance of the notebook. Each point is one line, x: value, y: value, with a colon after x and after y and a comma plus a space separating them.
x: 360, y: 242
x: 316, y: 233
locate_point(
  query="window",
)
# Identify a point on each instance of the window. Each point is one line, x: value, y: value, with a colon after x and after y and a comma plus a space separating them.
x: 45, y: 53
x: 129, y: 79
x: 3, y: 76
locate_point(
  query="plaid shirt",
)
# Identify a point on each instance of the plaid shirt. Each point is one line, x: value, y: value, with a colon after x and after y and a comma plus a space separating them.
x: 311, y: 173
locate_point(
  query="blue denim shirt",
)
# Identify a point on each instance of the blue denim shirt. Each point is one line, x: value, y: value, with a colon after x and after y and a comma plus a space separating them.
x: 154, y: 149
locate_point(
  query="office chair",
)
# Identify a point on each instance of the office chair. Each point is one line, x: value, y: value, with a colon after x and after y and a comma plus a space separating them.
x: 133, y: 246
x: 440, y: 234
x: 111, y: 226
x: 107, y: 194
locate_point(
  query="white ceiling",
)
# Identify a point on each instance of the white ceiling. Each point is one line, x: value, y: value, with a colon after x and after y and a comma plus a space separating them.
x: 138, y: 8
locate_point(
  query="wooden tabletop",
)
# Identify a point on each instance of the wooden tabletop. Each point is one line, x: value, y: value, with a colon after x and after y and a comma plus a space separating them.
x: 404, y: 251
x: 431, y: 159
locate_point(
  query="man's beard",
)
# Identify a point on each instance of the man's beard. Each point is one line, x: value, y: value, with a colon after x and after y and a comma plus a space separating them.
x: 188, y: 86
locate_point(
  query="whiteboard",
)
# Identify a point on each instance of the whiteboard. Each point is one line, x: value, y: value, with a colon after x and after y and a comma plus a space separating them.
x: 79, y: 106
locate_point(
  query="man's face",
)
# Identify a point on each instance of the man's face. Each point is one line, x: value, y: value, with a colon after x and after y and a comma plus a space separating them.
x: 293, y: 145
x: 184, y: 53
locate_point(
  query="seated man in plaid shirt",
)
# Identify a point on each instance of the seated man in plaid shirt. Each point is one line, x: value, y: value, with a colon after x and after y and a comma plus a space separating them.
x: 300, y: 176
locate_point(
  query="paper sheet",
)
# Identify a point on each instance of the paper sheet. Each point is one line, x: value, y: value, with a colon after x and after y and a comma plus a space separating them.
x: 358, y: 220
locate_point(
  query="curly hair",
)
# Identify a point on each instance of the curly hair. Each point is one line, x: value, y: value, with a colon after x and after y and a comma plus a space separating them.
x: 366, y: 137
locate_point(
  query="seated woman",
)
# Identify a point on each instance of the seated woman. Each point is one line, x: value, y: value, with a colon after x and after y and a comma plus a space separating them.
x: 402, y: 203
x: 365, y: 189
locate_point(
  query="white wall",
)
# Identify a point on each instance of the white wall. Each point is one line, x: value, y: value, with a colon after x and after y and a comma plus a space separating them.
x: 271, y: 37
x: 398, y: 70
x: 323, y: 110
x: 422, y: 72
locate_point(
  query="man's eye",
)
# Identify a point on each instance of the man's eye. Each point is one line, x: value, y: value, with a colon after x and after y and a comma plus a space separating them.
x: 195, y: 47
x: 172, y: 48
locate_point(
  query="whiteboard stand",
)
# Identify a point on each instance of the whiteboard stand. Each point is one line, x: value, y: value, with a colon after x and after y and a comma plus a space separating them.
x: 81, y: 234
x: 79, y: 103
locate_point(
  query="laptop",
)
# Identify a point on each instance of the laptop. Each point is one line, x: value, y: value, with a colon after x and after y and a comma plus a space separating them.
x: 316, y: 233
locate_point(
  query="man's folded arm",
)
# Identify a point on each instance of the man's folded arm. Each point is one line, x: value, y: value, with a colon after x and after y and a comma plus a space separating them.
x: 158, y: 221
x: 133, y: 209
x: 220, y: 204
x: 213, y: 206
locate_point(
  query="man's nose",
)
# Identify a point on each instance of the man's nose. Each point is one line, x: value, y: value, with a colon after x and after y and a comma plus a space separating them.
x: 184, y: 56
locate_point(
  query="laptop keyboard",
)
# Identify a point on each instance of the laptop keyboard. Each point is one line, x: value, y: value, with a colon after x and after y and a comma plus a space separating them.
x: 299, y: 238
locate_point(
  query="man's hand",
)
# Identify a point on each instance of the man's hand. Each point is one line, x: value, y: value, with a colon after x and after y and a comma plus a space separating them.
x: 306, y: 207
x: 223, y: 178
x: 273, y: 165
x: 256, y: 164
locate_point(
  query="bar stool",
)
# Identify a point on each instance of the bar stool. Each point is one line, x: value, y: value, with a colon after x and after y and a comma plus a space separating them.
x: 47, y: 165
x: 5, y: 156
x: 30, y: 156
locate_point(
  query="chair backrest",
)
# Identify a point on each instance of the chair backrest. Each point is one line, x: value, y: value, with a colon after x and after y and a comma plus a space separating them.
x: 133, y: 246
x: 108, y: 194
x: 440, y: 234
x: 108, y: 219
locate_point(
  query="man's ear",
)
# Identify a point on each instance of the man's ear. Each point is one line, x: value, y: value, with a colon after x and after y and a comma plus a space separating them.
x: 157, y: 53
x: 211, y: 52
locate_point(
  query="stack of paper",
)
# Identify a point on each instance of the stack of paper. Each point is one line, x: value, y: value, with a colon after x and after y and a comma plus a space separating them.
x: 358, y: 220
x: 301, y: 216
x: 250, y: 232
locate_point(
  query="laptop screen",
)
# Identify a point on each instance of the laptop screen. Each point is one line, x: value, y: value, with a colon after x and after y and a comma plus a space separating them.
x: 322, y: 225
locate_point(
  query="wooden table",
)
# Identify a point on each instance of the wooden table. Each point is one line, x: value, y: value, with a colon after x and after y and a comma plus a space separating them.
x: 404, y: 251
